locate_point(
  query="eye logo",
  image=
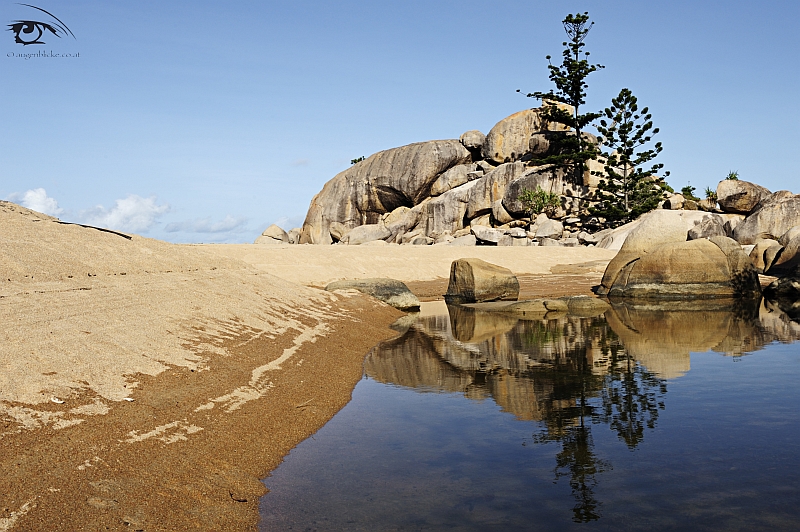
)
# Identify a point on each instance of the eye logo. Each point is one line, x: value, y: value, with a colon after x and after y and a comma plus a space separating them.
x: 30, y: 31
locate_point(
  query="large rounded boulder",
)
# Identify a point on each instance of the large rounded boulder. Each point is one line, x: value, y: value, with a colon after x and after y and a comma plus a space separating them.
x: 378, y: 185
x: 704, y: 268
x: 510, y: 139
x: 647, y: 233
x: 740, y: 197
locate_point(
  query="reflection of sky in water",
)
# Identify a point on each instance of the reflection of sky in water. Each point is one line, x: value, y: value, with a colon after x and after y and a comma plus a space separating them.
x: 560, y: 423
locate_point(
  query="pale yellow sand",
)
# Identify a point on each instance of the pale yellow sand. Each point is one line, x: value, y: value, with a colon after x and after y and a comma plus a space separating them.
x: 318, y: 265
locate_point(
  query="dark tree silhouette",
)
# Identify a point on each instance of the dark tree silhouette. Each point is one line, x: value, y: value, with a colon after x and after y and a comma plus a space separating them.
x: 570, y: 80
x: 627, y: 189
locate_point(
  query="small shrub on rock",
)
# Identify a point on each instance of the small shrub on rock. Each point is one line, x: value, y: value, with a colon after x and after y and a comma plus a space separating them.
x: 539, y: 201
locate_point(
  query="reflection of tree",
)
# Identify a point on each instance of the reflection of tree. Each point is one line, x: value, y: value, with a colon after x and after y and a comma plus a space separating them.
x: 570, y: 373
x: 631, y: 398
x: 566, y: 412
x: 578, y: 461
x: 627, y: 397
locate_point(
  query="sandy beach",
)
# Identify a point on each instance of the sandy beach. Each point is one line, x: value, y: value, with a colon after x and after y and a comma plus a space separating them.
x: 149, y: 386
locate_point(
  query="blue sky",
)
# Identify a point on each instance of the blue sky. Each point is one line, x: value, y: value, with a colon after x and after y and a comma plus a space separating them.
x: 207, y: 121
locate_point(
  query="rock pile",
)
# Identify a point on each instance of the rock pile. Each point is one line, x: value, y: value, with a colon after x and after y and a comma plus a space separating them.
x: 467, y: 192
x: 458, y: 192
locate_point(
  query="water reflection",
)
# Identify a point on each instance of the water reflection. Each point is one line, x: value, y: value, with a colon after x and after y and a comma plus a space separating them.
x: 572, y: 374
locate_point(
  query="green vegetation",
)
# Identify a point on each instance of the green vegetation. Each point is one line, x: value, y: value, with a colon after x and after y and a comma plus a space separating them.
x: 628, y: 189
x: 570, y: 151
x: 688, y: 193
x: 539, y: 200
x: 733, y: 175
x: 357, y: 160
x: 711, y: 194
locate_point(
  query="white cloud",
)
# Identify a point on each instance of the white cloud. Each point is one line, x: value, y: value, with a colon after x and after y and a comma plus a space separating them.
x: 133, y: 214
x: 289, y: 222
x: 38, y: 200
x: 205, y: 225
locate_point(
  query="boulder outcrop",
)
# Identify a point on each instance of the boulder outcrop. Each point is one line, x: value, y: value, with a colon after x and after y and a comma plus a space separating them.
x: 771, y: 218
x: 438, y: 192
x: 740, y: 197
x: 449, y: 185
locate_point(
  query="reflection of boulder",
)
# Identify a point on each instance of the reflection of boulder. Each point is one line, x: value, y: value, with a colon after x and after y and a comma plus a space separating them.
x: 782, y: 320
x: 513, y: 365
x: 539, y: 369
x: 785, y: 294
x: 411, y: 360
x: 662, y: 336
x: 657, y: 341
x: 516, y: 395
x: 473, y: 326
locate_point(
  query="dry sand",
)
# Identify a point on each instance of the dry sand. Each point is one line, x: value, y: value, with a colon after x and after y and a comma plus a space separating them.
x: 148, y: 386
x: 319, y: 265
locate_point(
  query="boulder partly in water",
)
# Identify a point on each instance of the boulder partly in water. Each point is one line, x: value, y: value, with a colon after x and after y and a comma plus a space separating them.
x: 475, y: 280
x: 695, y: 269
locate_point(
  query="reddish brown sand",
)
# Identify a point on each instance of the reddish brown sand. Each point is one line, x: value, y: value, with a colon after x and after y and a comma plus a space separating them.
x: 148, y: 386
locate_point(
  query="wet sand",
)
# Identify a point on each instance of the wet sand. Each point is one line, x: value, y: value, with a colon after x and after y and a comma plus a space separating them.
x: 148, y: 386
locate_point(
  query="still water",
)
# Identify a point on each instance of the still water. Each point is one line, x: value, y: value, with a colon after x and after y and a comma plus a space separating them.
x: 641, y: 418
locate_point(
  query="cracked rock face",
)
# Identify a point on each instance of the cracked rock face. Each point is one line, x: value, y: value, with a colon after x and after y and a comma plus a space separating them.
x: 772, y: 218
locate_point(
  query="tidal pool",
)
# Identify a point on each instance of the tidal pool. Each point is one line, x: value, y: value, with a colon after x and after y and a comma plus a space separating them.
x: 646, y: 417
